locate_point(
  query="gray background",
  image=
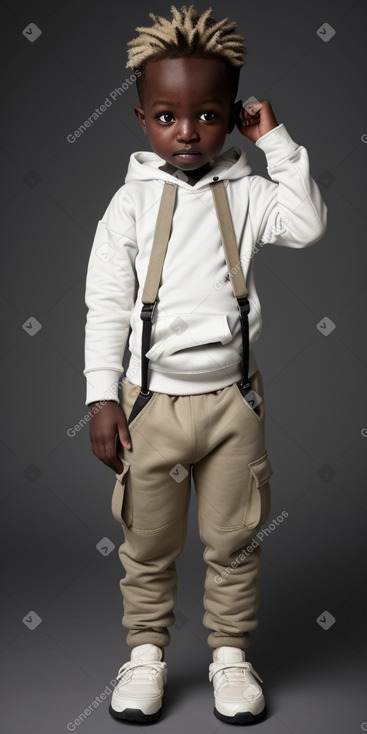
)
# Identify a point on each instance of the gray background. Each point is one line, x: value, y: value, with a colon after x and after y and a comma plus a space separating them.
x: 55, y: 495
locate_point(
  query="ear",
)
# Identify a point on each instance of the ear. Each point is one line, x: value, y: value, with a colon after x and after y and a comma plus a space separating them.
x: 141, y: 117
x: 235, y: 111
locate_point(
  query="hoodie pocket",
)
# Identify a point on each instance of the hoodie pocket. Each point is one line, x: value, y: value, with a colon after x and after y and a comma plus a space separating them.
x: 197, y: 338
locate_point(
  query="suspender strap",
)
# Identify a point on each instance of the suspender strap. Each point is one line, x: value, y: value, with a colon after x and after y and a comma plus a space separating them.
x: 149, y: 298
x: 228, y: 239
x: 235, y: 271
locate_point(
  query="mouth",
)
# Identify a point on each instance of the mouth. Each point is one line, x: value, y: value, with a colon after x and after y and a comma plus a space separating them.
x: 187, y: 151
x: 187, y: 156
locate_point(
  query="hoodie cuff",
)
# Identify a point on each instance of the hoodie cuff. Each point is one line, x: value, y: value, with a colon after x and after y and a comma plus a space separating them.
x: 102, y: 385
x: 277, y: 145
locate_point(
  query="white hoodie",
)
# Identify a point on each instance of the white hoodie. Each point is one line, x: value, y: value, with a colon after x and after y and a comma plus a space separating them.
x: 196, y: 336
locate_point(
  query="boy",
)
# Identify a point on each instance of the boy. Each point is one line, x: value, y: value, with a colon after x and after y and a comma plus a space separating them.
x: 190, y: 412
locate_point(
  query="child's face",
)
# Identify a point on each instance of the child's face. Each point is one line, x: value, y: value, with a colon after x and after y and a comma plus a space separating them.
x: 187, y: 112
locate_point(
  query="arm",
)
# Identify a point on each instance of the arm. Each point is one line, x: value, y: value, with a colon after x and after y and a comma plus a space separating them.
x: 292, y: 213
x: 110, y: 297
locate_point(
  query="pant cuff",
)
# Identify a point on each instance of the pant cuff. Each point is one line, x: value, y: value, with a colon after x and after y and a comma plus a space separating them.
x: 161, y: 637
x: 217, y: 639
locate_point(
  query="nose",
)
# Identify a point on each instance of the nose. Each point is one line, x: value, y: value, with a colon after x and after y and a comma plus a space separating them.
x: 187, y: 131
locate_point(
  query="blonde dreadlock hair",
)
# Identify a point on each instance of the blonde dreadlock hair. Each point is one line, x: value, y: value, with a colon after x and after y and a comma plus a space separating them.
x: 187, y: 34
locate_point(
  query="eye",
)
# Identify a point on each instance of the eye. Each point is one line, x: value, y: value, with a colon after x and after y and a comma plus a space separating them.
x: 167, y: 117
x: 209, y: 116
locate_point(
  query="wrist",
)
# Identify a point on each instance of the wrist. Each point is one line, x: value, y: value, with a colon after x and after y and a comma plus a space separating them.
x: 100, y: 403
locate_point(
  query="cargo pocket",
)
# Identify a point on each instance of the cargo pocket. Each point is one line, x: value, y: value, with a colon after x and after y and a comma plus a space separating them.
x: 120, y: 505
x: 258, y: 502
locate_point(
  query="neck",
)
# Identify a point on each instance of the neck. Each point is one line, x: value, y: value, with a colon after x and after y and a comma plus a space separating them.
x: 191, y: 177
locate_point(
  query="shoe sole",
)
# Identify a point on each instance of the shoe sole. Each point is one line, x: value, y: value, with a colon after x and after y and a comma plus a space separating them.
x: 244, y: 717
x: 135, y: 715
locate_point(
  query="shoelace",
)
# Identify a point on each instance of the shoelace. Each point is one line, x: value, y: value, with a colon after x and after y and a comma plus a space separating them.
x: 132, y: 666
x: 235, y: 673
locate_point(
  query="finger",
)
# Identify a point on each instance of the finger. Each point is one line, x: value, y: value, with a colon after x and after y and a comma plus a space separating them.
x: 243, y: 117
x: 249, y: 120
x: 100, y: 451
x: 111, y: 457
x: 116, y: 466
x: 115, y: 463
x: 124, y: 438
x: 253, y: 108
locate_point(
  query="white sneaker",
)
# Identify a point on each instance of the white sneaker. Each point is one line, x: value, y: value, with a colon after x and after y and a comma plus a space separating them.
x: 139, y: 691
x: 238, y: 697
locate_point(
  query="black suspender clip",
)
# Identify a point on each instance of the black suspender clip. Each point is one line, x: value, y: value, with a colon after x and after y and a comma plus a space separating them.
x: 147, y: 311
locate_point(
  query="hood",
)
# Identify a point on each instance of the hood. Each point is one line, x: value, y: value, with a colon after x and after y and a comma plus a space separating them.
x: 232, y: 164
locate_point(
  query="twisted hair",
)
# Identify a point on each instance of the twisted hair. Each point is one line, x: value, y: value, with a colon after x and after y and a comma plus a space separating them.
x: 187, y: 34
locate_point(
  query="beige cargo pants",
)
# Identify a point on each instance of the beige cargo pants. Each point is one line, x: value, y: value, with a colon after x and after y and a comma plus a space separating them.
x: 221, y: 438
